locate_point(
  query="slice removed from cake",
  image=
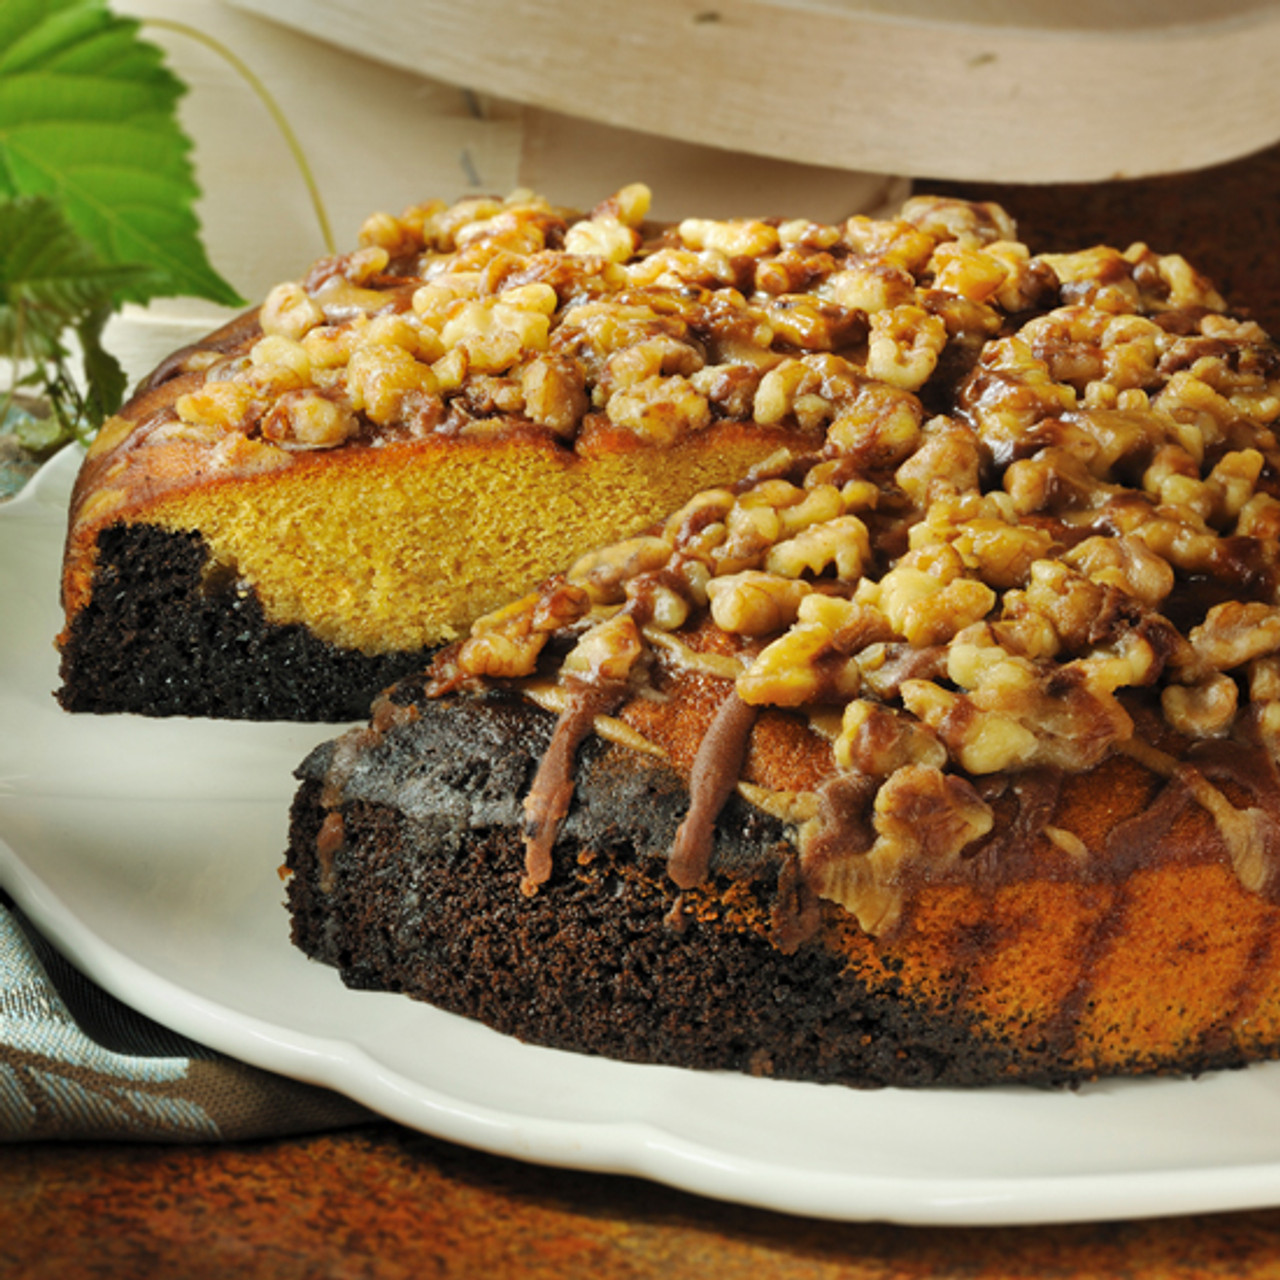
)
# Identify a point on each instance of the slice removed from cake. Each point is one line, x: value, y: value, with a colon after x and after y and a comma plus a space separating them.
x: 294, y: 511
x: 942, y: 752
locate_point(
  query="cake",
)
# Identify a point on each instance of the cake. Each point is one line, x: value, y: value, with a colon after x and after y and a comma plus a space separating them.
x: 940, y: 751
x: 297, y: 510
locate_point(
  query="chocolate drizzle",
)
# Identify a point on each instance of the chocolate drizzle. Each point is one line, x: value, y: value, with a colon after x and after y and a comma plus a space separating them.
x: 547, y: 803
x: 1129, y: 843
x: 716, y: 769
x: 843, y: 828
x: 1036, y: 794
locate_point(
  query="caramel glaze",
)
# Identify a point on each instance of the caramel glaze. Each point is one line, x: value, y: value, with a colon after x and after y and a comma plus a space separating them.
x: 715, y: 741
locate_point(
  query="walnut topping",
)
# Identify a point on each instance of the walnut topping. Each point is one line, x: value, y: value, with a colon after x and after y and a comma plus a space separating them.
x: 606, y: 652
x: 1028, y: 493
x: 1204, y: 710
x: 1235, y: 633
x: 752, y: 603
x: 308, y: 420
x: 290, y: 312
x: 922, y: 818
x: 471, y: 317
x: 660, y: 409
x: 879, y: 740
x: 904, y: 346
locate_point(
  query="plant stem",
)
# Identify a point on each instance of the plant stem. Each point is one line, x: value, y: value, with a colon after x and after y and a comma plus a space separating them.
x: 264, y: 94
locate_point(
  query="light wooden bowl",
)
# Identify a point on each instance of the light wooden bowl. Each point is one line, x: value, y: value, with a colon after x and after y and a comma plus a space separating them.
x: 1003, y: 90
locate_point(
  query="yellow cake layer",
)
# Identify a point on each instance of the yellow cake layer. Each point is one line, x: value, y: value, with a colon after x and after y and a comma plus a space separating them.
x: 403, y: 547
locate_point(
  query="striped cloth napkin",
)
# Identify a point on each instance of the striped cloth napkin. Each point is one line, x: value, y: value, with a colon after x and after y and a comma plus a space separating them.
x: 77, y: 1063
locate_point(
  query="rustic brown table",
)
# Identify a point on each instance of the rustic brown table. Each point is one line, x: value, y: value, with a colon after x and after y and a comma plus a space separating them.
x: 381, y: 1201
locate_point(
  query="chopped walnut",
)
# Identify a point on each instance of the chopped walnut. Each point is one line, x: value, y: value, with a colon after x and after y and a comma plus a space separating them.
x: 739, y: 237
x: 920, y: 811
x: 947, y: 461
x: 388, y: 385
x: 507, y: 642
x: 309, y: 420
x: 968, y: 223
x: 217, y: 404
x: 495, y: 334
x: 879, y: 740
x: 800, y: 668
x: 877, y: 427
x: 648, y: 359
x: 870, y: 286
x: 842, y: 543
x: 1125, y: 562
x: 1065, y: 598
x: 974, y: 273
x: 606, y: 652
x: 1204, y: 710
x: 811, y: 661
x: 904, y: 346
x: 554, y: 393
x: 607, y: 238
x: 985, y: 531
x: 926, y: 597
x: 603, y: 574
x: 752, y: 525
x: 660, y: 410
x: 289, y: 311
x: 921, y: 815
x: 808, y: 388
x: 1235, y: 633
x: 753, y: 603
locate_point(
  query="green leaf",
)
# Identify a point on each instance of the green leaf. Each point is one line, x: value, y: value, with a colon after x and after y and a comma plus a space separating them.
x: 88, y: 118
x: 104, y: 378
x: 52, y: 281
x: 51, y: 278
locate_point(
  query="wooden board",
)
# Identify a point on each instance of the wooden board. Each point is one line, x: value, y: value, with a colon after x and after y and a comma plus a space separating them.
x: 966, y: 89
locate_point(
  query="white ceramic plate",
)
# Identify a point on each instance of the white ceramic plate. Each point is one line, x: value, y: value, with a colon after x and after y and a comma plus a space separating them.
x: 148, y: 850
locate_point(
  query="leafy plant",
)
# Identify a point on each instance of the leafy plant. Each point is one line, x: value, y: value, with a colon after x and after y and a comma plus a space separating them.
x: 97, y: 198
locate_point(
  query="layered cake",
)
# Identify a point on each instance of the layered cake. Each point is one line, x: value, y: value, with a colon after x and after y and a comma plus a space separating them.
x: 940, y: 749
x: 293, y: 512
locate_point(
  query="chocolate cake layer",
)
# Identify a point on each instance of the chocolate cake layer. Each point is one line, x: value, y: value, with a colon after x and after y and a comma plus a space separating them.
x: 166, y: 634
